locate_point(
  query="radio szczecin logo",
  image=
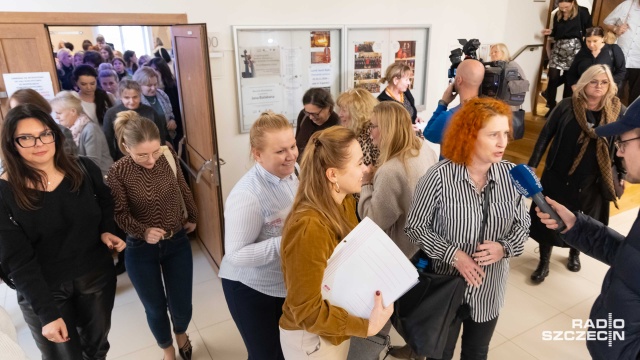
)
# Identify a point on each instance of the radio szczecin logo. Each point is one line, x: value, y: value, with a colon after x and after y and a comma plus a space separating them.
x: 609, y: 330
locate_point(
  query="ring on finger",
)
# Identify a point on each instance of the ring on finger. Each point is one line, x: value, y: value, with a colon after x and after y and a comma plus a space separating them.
x: 50, y: 339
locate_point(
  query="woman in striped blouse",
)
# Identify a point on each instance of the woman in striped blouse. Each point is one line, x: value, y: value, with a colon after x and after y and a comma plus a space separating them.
x: 254, y: 215
x: 447, y: 211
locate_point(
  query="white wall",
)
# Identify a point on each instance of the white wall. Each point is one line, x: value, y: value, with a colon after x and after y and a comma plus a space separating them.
x: 515, y: 22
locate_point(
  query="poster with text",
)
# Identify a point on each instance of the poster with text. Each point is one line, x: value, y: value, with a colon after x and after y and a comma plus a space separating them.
x: 260, y: 61
x: 38, y: 81
x: 405, y: 53
x: 367, y: 66
x: 257, y: 99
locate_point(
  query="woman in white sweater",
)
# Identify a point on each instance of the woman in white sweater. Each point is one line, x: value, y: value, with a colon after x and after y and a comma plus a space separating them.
x: 387, y: 192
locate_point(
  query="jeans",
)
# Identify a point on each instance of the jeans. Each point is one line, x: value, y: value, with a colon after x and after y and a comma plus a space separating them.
x: 148, y: 265
x: 256, y: 315
x: 86, y: 303
x: 475, y: 339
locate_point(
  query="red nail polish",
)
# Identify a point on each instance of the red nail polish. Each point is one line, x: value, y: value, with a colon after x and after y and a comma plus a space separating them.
x: 378, y: 293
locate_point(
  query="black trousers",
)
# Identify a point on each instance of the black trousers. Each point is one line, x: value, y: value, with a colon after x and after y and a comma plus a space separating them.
x: 633, y: 80
x: 256, y: 315
x: 86, y: 304
x: 475, y: 339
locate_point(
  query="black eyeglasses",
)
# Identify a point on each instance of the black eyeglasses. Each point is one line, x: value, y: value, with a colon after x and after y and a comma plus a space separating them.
x: 315, y: 115
x: 27, y: 141
x: 620, y: 145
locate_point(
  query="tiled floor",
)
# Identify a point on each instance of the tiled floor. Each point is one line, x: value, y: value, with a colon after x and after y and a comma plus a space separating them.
x: 529, y: 310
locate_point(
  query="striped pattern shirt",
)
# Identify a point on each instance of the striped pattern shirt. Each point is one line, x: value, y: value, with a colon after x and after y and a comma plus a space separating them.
x: 446, y: 215
x: 254, y: 214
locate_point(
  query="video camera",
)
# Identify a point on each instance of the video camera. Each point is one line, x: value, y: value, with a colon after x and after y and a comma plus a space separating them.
x: 497, y: 74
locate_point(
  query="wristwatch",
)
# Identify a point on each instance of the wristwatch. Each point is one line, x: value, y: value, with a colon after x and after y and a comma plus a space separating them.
x: 443, y: 103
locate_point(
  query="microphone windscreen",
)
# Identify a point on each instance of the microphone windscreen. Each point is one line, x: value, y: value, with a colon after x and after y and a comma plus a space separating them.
x: 525, y: 180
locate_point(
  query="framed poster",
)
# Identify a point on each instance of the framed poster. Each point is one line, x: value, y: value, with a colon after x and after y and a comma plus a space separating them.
x: 275, y: 66
x: 370, y: 50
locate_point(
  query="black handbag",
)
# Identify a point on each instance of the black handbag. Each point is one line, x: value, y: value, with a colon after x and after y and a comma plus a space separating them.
x: 369, y: 348
x: 518, y: 124
x: 424, y: 314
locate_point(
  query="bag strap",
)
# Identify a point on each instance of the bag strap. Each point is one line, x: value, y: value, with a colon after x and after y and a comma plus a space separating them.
x: 172, y: 163
x: 485, y: 210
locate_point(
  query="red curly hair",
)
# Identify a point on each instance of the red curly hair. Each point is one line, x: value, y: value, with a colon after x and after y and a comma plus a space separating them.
x: 459, y: 141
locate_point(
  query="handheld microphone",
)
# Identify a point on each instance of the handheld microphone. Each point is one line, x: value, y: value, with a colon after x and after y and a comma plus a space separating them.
x: 528, y: 184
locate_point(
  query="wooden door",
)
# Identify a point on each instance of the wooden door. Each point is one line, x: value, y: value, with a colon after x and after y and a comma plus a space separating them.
x: 24, y: 48
x: 194, y: 84
x: 602, y: 9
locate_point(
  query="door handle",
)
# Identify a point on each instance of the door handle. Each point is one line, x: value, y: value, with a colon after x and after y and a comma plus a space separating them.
x: 181, y: 145
x: 207, y: 165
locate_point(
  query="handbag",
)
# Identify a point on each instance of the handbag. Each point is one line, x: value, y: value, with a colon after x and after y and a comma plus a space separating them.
x: 610, y: 37
x: 424, y: 314
x: 518, y: 124
x: 369, y: 348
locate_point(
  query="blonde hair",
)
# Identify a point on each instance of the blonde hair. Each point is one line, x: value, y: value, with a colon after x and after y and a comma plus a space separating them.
x: 63, y: 51
x: 132, y: 129
x: 67, y: 100
x: 395, y: 70
x: 144, y: 74
x: 506, y: 56
x: 326, y: 149
x: 266, y: 122
x: 359, y: 103
x: 590, y: 74
x: 397, y: 138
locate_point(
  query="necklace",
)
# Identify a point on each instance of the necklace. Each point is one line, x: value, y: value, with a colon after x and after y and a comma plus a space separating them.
x: 153, y: 100
x: 479, y: 184
x: 395, y: 98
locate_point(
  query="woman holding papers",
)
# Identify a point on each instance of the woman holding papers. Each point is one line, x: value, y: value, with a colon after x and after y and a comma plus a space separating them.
x: 254, y: 215
x: 577, y: 171
x: 323, y: 213
x: 447, y: 214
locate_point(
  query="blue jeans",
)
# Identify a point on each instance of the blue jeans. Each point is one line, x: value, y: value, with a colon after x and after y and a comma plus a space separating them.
x: 148, y: 265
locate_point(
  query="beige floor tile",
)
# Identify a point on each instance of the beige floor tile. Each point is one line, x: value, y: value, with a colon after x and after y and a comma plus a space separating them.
x: 522, y: 312
x: 125, y: 293
x: 209, y: 305
x: 562, y: 289
x: 509, y: 351
x: 224, y: 341
x: 129, y: 330
x: 582, y: 310
x: 200, y: 351
x: 202, y: 269
x: 592, y: 269
x: 533, y: 343
x: 622, y: 222
x: 28, y: 345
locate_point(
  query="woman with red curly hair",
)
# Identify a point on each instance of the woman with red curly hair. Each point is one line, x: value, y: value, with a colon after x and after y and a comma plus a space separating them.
x: 446, y: 218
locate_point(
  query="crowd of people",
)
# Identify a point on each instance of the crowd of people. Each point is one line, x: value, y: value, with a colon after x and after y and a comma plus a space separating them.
x: 103, y: 177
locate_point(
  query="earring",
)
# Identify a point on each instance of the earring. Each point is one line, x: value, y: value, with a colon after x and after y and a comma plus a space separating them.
x: 337, y: 187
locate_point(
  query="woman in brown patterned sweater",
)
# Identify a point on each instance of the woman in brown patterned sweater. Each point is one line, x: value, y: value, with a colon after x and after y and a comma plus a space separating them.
x: 148, y: 206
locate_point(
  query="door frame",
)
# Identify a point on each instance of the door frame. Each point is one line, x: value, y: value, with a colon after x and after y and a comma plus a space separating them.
x: 91, y: 19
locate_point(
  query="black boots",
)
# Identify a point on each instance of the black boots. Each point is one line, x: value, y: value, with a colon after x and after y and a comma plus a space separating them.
x: 405, y: 352
x: 542, y: 270
x: 574, y: 260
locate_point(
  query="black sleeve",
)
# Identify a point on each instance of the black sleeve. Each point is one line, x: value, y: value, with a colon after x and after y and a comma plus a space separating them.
x: 103, y: 195
x: 161, y: 123
x: 546, y: 135
x: 19, y: 260
x: 413, y: 105
x: 109, y: 133
x: 594, y: 239
x: 573, y: 73
x: 619, y: 64
x: 555, y: 26
x: 585, y: 16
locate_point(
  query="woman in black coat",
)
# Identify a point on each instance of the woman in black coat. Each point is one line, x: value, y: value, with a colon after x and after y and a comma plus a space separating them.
x: 398, y: 79
x: 597, y: 52
x: 577, y: 171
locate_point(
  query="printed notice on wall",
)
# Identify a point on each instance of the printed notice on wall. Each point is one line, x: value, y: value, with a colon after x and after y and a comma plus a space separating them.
x: 38, y: 81
x: 257, y: 99
x: 320, y: 75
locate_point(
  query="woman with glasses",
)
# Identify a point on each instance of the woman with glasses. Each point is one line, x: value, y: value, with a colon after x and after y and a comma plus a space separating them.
x: 577, y: 170
x: 155, y: 208
x: 316, y: 115
x: 56, y: 225
x: 597, y: 52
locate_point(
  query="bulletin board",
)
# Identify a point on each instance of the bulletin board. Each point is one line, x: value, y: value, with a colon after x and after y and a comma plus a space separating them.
x: 370, y: 50
x: 276, y: 65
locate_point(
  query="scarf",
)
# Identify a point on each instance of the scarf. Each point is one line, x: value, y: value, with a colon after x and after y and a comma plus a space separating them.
x: 610, y: 112
x: 78, y: 126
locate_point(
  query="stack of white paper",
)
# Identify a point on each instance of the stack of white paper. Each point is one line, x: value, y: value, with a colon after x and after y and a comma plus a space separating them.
x: 365, y: 261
